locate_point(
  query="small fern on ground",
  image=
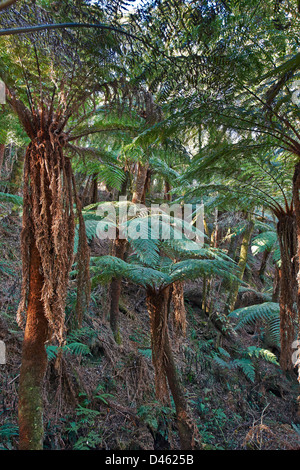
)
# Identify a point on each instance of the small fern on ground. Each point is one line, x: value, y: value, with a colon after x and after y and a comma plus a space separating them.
x: 246, y: 362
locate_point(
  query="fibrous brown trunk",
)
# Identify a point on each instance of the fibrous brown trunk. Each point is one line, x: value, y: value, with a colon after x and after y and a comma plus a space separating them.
x: 276, y: 284
x: 165, y: 368
x: 188, y: 432
x: 179, y: 310
x: 296, y: 202
x: 157, y: 305
x: 47, y: 243
x: 286, y: 230
x: 34, y: 361
x: 140, y: 185
x: 48, y: 218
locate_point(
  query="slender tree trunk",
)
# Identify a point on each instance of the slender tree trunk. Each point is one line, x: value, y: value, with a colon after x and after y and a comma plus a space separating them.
x: 119, y: 248
x: 140, y: 184
x: 17, y: 172
x: 232, y: 249
x: 188, y: 432
x: 177, y: 289
x: 276, y: 284
x: 94, y: 189
x: 167, y: 195
x: 233, y: 294
x: 165, y: 368
x: 179, y: 311
x: 261, y: 271
x: 34, y: 361
x: 85, y: 193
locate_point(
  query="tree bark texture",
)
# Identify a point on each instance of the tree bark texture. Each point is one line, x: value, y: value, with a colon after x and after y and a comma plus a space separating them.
x: 286, y: 229
x: 47, y: 243
x: 296, y: 202
x: 233, y: 294
x: 34, y: 361
x: 119, y: 248
x: 165, y: 368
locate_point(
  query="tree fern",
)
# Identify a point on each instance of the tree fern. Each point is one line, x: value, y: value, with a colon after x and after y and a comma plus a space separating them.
x: 76, y: 348
x: 267, y: 312
x: 265, y: 241
x: 246, y: 360
x: 254, y: 351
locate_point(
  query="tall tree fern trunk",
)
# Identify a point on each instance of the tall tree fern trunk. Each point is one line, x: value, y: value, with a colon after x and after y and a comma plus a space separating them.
x: 94, y: 189
x: 34, y: 361
x: 233, y: 294
x: 179, y: 310
x: 17, y: 172
x: 286, y: 230
x: 232, y: 250
x: 263, y: 265
x: 47, y: 243
x: 296, y: 201
x: 119, y: 248
x: 165, y: 368
x: 140, y: 185
x: 188, y: 432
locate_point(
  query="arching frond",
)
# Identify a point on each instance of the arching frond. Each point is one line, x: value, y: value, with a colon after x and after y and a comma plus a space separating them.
x: 267, y: 312
x: 265, y: 241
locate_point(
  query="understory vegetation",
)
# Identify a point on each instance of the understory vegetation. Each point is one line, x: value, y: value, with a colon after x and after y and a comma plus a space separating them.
x: 149, y: 332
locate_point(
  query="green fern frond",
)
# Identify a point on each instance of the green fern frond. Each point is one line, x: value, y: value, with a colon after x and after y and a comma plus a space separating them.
x: 195, y: 268
x: 107, y: 267
x: 267, y: 312
x: 12, y: 198
x: 249, y: 315
x: 265, y: 241
x: 91, y: 232
x: 146, y: 251
x: 253, y: 351
x: 78, y: 349
x: 84, y: 333
x: 246, y: 366
x: 51, y: 351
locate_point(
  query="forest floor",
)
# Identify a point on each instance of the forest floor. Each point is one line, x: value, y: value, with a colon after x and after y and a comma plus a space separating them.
x: 101, y: 395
